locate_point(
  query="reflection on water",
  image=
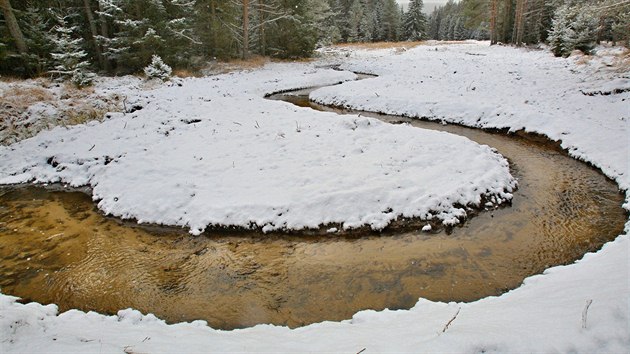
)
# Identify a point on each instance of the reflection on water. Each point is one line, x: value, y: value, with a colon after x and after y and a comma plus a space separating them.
x: 55, y: 247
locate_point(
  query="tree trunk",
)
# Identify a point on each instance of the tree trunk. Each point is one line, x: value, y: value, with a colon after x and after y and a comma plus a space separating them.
x: 262, y: 28
x: 245, y: 29
x: 94, y: 32
x: 12, y: 25
x: 493, y: 22
x: 519, y: 23
x: 506, y: 21
x: 104, y: 33
x: 213, y: 13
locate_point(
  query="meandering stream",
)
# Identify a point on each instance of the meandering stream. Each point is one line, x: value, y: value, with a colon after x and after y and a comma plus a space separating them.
x: 56, y: 247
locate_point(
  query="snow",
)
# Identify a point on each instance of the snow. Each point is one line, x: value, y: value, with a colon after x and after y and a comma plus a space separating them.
x: 214, y: 152
x: 514, y: 89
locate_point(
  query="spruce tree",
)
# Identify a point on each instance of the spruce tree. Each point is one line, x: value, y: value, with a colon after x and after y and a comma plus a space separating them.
x: 68, y: 57
x: 572, y: 28
x: 391, y: 20
x: 366, y: 23
x: 355, y: 14
x: 415, y: 22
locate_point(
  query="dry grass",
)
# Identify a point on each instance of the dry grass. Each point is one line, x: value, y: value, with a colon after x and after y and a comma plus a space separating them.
x: 83, y: 115
x: 583, y: 60
x: 394, y: 45
x: 70, y: 91
x: 32, y: 93
x: 9, y: 79
x: 379, y: 45
x: 20, y: 97
x: 253, y: 62
x: 184, y: 73
x: 73, y: 105
x: 621, y: 62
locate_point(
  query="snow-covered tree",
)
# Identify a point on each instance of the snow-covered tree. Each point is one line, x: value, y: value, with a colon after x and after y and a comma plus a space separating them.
x: 572, y: 28
x: 391, y: 20
x: 414, y: 22
x: 377, y: 34
x: 157, y: 69
x: 36, y: 35
x: 366, y: 23
x: 445, y: 26
x: 460, y: 32
x: 354, y: 21
x: 68, y: 56
x: 322, y: 19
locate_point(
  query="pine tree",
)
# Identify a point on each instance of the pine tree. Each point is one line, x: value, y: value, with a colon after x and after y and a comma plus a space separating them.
x: 378, y: 21
x: 460, y: 32
x: 584, y: 26
x: 321, y: 18
x: 445, y: 26
x: 355, y: 14
x: 36, y: 35
x: 572, y: 28
x: 434, y: 25
x: 366, y: 23
x: 391, y: 20
x: 157, y: 69
x: 68, y: 56
x: 415, y: 22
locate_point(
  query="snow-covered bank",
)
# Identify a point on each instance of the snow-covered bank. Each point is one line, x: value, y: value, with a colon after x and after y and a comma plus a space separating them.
x: 214, y: 152
x: 546, y: 314
x: 476, y: 85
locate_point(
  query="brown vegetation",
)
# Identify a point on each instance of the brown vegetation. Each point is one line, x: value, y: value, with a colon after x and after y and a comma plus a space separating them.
x: 67, y: 105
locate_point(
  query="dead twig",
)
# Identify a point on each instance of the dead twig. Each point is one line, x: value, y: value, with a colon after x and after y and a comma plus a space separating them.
x: 361, y: 351
x: 585, y: 312
x: 92, y: 147
x: 451, y: 320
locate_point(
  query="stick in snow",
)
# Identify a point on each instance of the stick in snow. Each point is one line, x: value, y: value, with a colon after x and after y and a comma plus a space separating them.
x: 585, y: 312
x: 361, y: 351
x: 451, y: 321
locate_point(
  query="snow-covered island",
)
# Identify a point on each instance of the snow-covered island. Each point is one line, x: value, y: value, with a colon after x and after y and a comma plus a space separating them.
x: 213, y: 152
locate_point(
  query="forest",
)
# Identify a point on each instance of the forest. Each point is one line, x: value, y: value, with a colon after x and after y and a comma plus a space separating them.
x: 72, y: 39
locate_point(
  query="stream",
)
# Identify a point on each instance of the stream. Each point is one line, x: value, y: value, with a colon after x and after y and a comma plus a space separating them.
x: 56, y: 247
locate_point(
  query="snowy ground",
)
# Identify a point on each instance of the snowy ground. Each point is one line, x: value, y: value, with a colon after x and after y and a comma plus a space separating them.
x: 213, y: 151
x: 470, y: 84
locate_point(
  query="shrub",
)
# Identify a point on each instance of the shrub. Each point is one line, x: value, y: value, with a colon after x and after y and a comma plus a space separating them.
x: 158, y: 69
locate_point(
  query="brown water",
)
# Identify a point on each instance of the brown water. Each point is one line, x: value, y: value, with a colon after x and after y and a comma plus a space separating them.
x: 55, y: 247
